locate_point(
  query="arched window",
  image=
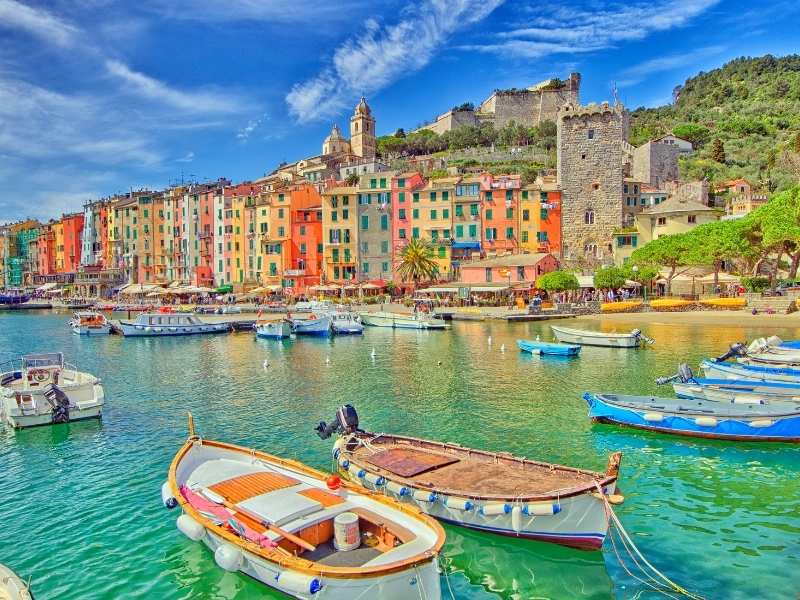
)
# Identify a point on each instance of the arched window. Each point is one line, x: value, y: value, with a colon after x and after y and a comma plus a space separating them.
x: 588, y: 217
x: 590, y: 249
x: 356, y: 125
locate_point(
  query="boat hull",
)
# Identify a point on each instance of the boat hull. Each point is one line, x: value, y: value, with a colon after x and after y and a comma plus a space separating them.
x: 535, y: 347
x: 737, y: 392
x: 83, y: 330
x: 734, y: 371
x: 86, y: 401
x: 275, y: 331
x: 11, y: 585
x: 133, y: 330
x: 354, y: 329
x: 399, y: 321
x: 724, y: 426
x: 592, y: 338
x: 320, y: 326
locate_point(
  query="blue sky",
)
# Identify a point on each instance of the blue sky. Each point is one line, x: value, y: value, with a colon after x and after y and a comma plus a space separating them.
x: 97, y: 96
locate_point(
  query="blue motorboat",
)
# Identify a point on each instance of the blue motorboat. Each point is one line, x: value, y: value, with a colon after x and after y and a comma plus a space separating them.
x: 722, y: 370
x: 551, y: 348
x: 737, y: 391
x: 14, y: 297
x: 769, y: 422
x: 315, y: 324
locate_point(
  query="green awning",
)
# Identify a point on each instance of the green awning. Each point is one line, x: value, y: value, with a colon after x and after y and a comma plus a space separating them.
x: 225, y: 289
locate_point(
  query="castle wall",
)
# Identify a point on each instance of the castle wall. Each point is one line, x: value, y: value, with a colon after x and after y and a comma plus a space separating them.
x: 590, y: 174
x: 655, y: 164
x: 452, y: 120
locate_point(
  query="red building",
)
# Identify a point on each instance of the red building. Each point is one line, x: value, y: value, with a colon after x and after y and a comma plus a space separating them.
x: 46, y: 251
x: 73, y: 228
x: 305, y: 245
x: 499, y: 213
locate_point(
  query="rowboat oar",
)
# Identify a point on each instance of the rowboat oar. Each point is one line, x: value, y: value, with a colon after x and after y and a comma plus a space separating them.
x: 220, y: 499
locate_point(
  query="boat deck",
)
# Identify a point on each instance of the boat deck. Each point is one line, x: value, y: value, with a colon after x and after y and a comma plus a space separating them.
x: 461, y: 471
x: 693, y: 406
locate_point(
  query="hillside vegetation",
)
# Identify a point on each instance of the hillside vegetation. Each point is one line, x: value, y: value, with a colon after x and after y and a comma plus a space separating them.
x: 752, y: 105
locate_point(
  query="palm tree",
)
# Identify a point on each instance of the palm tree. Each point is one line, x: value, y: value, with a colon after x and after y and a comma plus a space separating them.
x: 417, y: 262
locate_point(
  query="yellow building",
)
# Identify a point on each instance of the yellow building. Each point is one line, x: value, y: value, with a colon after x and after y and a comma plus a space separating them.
x: 277, y: 251
x: 340, y: 233
x: 529, y: 217
x: 58, y: 234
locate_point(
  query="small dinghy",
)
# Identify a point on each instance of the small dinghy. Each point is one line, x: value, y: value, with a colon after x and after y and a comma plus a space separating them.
x: 489, y: 491
x: 346, y: 323
x: 634, y: 339
x: 721, y: 370
x: 549, y: 348
x: 12, y: 587
x: 735, y: 391
x: 314, y: 324
x: 770, y: 422
x: 283, y: 524
x: 90, y: 323
x: 276, y: 330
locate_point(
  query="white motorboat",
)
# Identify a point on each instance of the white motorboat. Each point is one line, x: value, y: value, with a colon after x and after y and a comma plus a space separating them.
x: 46, y: 390
x: 166, y: 324
x: 276, y: 330
x: 346, y: 323
x: 298, y: 530
x: 90, y: 323
x: 12, y: 587
x: 402, y: 321
x: 314, y: 324
x: 582, y: 337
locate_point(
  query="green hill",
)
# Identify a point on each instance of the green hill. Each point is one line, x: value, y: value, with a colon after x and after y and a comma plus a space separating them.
x: 752, y: 105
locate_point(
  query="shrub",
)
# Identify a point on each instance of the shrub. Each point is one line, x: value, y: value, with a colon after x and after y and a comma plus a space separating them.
x: 667, y: 304
x: 755, y: 284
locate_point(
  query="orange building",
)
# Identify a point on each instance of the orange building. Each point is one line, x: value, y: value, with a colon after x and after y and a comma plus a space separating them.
x: 72, y: 227
x: 499, y: 213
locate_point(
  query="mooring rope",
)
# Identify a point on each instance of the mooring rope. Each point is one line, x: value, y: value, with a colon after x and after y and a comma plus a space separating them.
x: 633, y: 552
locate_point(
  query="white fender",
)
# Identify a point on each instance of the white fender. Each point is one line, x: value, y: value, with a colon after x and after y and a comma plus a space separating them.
x: 166, y: 496
x: 190, y: 528
x: 398, y: 489
x: 706, y: 421
x: 337, y: 447
x: 424, y: 496
x: 541, y: 509
x: 490, y: 510
x: 762, y: 423
x: 458, y: 503
x: 516, y: 518
x: 298, y: 583
x: 653, y: 417
x: 375, y: 480
x: 344, y: 463
x: 356, y: 471
x: 229, y: 557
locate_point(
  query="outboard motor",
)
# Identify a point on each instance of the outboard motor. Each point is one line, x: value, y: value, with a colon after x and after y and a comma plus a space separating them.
x: 59, y: 402
x: 736, y: 349
x: 345, y: 422
x: 684, y: 375
x: 642, y: 337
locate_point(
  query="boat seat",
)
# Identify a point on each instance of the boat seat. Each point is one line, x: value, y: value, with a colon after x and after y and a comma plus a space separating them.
x: 217, y: 471
x: 244, y: 487
x: 282, y: 506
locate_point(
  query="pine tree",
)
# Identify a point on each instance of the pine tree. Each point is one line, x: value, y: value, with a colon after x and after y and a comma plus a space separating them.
x: 718, y: 151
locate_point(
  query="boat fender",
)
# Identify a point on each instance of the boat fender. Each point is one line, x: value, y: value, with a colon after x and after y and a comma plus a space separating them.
x: 458, y: 503
x: 490, y: 510
x: 398, y: 489
x: 298, y: 583
x: 541, y: 509
x: 337, y: 447
x: 706, y: 421
x: 166, y: 496
x: 424, y: 496
x: 516, y: 518
x: 653, y: 417
x: 345, y: 464
x: 148, y: 329
x: 762, y: 423
x: 375, y: 480
x: 228, y: 557
x: 190, y: 528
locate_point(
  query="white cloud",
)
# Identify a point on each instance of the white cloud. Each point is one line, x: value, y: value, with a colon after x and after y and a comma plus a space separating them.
x: 575, y: 30
x: 186, y: 159
x: 381, y: 54
x: 41, y: 23
x: 159, y: 91
x: 636, y: 73
x: 273, y: 11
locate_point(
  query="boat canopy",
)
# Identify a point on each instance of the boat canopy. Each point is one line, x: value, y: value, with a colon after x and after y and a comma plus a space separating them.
x: 37, y: 361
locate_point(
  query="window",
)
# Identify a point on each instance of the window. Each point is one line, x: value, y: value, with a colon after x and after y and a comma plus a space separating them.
x: 383, y: 182
x: 365, y: 247
x: 281, y: 231
x: 509, y: 233
x: 401, y: 197
x: 524, y: 194
x: 473, y: 231
x: 384, y: 247
x: 416, y: 196
x: 365, y: 267
x: 583, y: 157
x: 432, y: 196
x: 347, y: 255
x: 373, y: 183
x: 524, y: 236
x: 590, y: 134
x: 280, y: 213
x: 401, y: 183
x: 459, y: 210
x: 364, y: 199
x: 302, y: 248
x: 491, y: 233
x: 488, y: 214
x: 473, y: 209
x: 345, y: 200
x: 415, y: 213
x: 625, y: 189
x: 433, y: 215
x: 543, y: 214
x: 336, y: 272
x: 364, y: 222
x: 459, y: 231
x: 415, y: 233
x: 445, y: 195
x: 526, y: 215
x: 509, y: 194
x: 442, y: 252
x: 626, y: 240
x: 446, y: 234
x: 384, y: 222
x: 434, y: 235
x: 520, y: 273
x: 509, y: 213
x: 488, y: 274
x: 302, y: 229
x: 335, y: 255
x: 385, y: 266
x: 488, y: 195
x: 345, y: 213
x: 692, y: 218
x: 334, y: 216
x: 588, y: 217
x: 401, y: 233
x: 401, y: 214
x: 661, y: 221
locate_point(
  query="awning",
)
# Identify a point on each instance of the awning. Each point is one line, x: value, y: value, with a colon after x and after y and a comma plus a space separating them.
x: 224, y: 289
x: 325, y: 288
x: 585, y: 281
x: 467, y: 245
x: 483, y: 288
x: 46, y: 286
x: 438, y: 290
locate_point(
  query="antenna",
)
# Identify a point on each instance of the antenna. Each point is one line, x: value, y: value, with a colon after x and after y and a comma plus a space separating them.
x: 614, y: 93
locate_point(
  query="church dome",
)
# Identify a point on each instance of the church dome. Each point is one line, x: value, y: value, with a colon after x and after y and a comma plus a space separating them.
x: 363, y: 108
x: 335, y: 135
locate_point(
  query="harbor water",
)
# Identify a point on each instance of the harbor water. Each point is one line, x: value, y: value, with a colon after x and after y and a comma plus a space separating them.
x: 81, y: 509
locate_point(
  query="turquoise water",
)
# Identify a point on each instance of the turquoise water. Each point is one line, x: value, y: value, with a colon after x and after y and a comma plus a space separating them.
x: 80, y: 503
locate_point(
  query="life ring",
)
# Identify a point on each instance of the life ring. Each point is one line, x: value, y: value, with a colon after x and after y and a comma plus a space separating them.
x: 312, y: 317
x: 39, y: 374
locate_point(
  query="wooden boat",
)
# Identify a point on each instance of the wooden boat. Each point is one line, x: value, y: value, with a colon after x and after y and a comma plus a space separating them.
x: 402, y: 321
x: 90, y: 323
x: 281, y: 523
x: 552, y: 348
x: 723, y: 370
x: 12, y: 587
x: 770, y: 422
x: 158, y: 324
x: 274, y: 329
x: 45, y: 390
x: 737, y: 391
x: 597, y: 338
x: 488, y: 491
x: 314, y: 324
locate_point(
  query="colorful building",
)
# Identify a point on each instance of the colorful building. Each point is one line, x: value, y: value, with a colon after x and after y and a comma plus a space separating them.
x: 467, y: 234
x: 511, y: 269
x: 340, y: 233
x: 374, y: 227
x: 499, y: 213
x: 404, y: 186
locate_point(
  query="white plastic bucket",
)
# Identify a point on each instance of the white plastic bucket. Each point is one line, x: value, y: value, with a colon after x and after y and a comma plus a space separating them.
x: 346, y: 533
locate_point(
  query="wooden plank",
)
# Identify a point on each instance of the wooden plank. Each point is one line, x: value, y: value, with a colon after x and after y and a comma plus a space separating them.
x: 326, y: 499
x: 244, y: 487
x: 409, y: 462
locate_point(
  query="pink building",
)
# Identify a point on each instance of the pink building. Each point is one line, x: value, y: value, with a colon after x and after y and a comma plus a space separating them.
x: 511, y: 269
x: 403, y: 187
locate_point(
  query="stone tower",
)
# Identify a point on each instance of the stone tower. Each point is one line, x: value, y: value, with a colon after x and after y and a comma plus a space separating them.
x: 362, y: 131
x: 590, y: 174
